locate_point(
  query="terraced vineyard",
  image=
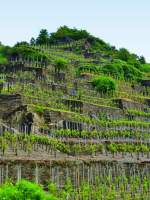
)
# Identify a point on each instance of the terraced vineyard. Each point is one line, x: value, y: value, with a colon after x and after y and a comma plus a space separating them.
x: 76, y: 117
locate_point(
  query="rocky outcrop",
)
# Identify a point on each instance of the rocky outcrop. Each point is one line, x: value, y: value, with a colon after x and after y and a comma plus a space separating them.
x: 145, y: 83
x: 11, y: 109
x: 9, y: 104
x: 128, y: 104
x: 93, y: 109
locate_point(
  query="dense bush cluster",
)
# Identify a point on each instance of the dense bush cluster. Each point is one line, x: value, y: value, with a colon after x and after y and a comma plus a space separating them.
x: 122, y: 63
x: 104, y: 84
x: 63, y: 34
x: 24, y: 190
x: 122, y: 70
x: 117, y: 69
x: 4, y: 54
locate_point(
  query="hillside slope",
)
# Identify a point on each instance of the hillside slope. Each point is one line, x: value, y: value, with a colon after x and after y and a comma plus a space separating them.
x: 72, y: 104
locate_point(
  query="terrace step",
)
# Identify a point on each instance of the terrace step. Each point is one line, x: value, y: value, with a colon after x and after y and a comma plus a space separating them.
x: 129, y: 104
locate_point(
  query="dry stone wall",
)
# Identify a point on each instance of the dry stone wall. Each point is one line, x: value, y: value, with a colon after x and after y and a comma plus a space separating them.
x: 60, y: 171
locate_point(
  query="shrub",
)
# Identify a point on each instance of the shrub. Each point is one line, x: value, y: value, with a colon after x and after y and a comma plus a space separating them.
x: 145, y: 68
x: 3, y: 55
x: 114, y: 69
x: 60, y: 64
x: 122, y: 70
x: 39, y: 110
x: 88, y: 68
x: 65, y: 31
x: 24, y: 190
x: 104, y: 84
x: 131, y: 73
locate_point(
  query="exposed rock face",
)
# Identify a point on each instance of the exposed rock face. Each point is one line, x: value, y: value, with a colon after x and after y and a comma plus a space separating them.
x: 9, y: 104
x: 147, y: 101
x: 145, y: 83
x: 92, y: 109
x: 73, y: 104
x: 26, y: 122
x: 52, y: 116
x: 59, y: 76
x: 56, y: 86
x: 96, y: 110
x: 11, y: 108
x: 127, y: 104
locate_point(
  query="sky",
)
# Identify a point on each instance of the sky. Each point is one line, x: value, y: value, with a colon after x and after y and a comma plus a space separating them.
x: 123, y: 23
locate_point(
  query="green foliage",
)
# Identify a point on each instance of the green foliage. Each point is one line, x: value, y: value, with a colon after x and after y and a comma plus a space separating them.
x: 60, y: 64
x: 114, y: 69
x: 39, y: 110
x: 123, y: 54
x: 122, y: 70
x: 23, y: 190
x: 127, y: 65
x: 131, y: 59
x: 145, y: 68
x: 109, y: 187
x: 132, y: 73
x: 88, y: 68
x: 104, y: 84
x: 32, y: 41
x: 142, y: 60
x: 43, y: 37
x: 28, y: 52
x: 65, y: 32
x: 22, y: 50
x: 3, y: 60
x: 23, y: 43
x: 4, y: 51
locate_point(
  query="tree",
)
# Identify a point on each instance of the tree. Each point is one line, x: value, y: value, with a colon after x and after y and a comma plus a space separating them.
x: 23, y: 43
x: 123, y: 54
x: 43, y: 37
x: 142, y: 60
x: 32, y: 41
x: 65, y: 31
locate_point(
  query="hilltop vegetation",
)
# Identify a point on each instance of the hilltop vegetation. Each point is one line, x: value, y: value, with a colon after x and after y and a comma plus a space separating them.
x: 120, y: 64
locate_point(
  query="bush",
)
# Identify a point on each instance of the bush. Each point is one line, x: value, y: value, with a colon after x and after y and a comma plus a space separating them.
x: 145, y: 68
x: 104, y: 84
x: 131, y: 73
x: 3, y: 55
x: 65, y: 31
x: 122, y: 70
x: 88, y: 68
x: 60, y: 64
x: 114, y: 69
x: 3, y: 60
x: 24, y: 190
x: 39, y: 110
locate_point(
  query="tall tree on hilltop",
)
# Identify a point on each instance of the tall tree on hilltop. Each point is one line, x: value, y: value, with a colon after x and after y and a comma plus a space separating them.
x: 43, y: 37
x: 32, y: 41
